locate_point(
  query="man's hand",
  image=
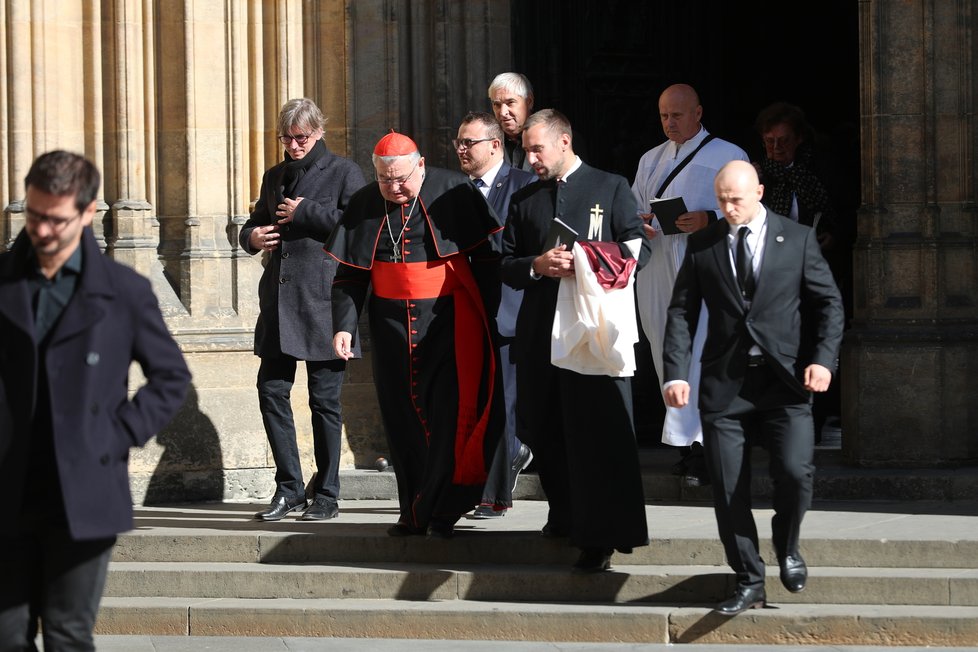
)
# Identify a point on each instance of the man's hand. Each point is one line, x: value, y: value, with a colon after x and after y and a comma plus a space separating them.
x: 817, y: 378
x: 555, y: 263
x: 286, y: 210
x: 265, y: 238
x: 692, y: 221
x: 647, y: 226
x: 677, y: 394
x: 343, y: 345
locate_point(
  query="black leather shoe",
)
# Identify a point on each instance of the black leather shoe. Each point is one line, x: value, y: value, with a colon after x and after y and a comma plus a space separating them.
x: 483, y: 512
x: 794, y: 572
x: 593, y: 560
x: 400, y: 529
x: 279, y: 507
x: 321, y: 509
x: 744, y: 598
x: 551, y: 531
x: 522, y: 460
x: 440, y: 531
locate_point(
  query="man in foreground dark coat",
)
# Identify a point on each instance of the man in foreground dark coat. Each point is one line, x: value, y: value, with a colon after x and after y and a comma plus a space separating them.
x: 71, y: 323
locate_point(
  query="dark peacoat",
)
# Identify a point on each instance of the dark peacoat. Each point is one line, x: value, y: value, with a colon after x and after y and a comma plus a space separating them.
x: 112, y: 320
x: 295, y: 287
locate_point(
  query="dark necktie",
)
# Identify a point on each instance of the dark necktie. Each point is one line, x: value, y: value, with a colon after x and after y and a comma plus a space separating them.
x: 745, y: 271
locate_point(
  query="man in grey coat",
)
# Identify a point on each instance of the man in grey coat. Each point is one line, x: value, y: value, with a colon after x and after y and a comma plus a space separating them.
x: 302, y: 199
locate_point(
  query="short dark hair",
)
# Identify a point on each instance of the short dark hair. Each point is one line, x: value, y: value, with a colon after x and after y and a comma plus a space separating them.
x: 63, y: 174
x: 555, y: 122
x: 493, y: 130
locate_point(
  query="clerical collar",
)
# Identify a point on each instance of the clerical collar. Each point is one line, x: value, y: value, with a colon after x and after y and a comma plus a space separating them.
x: 490, y: 176
x: 572, y: 169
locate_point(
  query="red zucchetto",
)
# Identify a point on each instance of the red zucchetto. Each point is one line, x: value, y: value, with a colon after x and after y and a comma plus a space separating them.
x: 395, y: 144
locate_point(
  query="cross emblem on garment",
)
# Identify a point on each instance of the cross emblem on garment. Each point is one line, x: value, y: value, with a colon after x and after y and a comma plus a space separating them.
x: 594, y: 230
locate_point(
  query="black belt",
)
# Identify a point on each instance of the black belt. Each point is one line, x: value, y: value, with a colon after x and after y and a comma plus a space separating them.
x: 756, y: 361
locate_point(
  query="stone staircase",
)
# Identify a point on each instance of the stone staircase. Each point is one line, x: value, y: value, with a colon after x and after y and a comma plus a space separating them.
x: 883, y: 572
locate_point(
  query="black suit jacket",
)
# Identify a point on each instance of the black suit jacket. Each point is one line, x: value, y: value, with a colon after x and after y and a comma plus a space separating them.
x: 795, y: 317
x: 113, y: 319
x: 508, y: 180
x: 531, y: 212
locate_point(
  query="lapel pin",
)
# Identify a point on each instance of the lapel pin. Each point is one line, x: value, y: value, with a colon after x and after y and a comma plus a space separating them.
x: 780, y: 238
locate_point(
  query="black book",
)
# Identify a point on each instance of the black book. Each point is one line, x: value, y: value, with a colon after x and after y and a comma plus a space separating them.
x: 666, y: 211
x: 559, y: 234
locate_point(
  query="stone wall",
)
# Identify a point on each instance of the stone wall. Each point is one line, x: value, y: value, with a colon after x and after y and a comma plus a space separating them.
x: 911, y: 356
x: 176, y: 102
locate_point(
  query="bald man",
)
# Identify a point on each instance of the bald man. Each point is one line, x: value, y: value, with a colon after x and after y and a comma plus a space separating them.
x: 772, y: 339
x: 683, y: 166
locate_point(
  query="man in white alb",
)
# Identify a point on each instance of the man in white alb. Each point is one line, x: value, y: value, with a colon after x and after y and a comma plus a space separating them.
x: 683, y: 166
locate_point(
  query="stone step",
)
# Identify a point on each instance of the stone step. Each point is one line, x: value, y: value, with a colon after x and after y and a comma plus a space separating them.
x: 490, y: 548
x: 882, y: 573
x: 782, y: 623
x: 544, y: 583
x: 908, y: 535
x: 834, y: 480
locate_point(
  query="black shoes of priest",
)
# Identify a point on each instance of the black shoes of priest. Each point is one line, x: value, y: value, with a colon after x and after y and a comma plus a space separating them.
x: 593, y: 560
x: 279, y: 507
x: 794, y: 572
x: 744, y: 598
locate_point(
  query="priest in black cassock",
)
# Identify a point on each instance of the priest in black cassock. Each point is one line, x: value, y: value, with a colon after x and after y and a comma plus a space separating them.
x: 579, y: 426
x: 419, y: 236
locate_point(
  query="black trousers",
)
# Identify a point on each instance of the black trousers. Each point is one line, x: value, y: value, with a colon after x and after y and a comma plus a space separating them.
x: 499, y: 481
x: 276, y: 376
x: 582, y: 434
x: 46, y: 576
x: 765, y: 408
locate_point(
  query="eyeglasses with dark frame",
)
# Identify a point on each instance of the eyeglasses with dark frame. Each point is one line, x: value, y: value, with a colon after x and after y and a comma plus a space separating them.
x: 467, y: 143
x: 300, y: 139
x: 400, y: 181
x: 54, y: 222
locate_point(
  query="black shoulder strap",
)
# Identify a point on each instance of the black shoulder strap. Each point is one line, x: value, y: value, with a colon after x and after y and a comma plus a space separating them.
x: 679, y: 168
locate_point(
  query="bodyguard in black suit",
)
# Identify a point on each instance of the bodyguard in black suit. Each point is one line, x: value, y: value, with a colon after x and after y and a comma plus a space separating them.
x: 302, y: 199
x: 72, y: 321
x: 580, y: 426
x: 774, y: 330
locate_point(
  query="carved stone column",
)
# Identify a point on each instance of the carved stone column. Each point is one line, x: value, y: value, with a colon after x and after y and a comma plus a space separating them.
x: 910, y: 360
